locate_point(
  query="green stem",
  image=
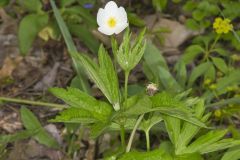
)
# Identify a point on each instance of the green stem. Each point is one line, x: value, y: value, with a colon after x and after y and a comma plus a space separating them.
x: 147, y: 140
x: 123, y: 137
x: 122, y: 108
x: 114, y: 50
x: 126, y: 85
x: 133, y: 133
x: 212, y: 47
x: 36, y: 103
x: 71, y: 145
x: 80, y: 135
x: 236, y: 35
x: 215, y: 42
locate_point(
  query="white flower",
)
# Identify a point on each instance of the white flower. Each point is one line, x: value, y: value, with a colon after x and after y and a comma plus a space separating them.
x: 112, y: 19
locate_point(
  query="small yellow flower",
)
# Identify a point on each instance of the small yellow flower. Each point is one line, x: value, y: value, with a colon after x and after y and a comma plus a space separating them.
x: 207, y: 81
x: 213, y: 86
x: 218, y: 113
x: 46, y: 33
x: 222, y: 25
x: 235, y: 57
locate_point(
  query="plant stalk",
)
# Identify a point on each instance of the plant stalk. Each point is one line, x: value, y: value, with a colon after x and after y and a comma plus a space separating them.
x: 36, y: 103
x: 123, y: 137
x: 147, y: 140
x: 212, y: 47
x: 133, y: 133
x: 126, y: 85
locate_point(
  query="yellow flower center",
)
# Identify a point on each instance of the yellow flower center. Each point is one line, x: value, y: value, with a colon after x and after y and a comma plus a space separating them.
x: 112, y: 22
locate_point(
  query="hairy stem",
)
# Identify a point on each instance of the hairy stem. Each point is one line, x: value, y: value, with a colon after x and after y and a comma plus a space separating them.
x: 126, y: 85
x: 36, y: 103
x: 147, y: 140
x: 212, y: 47
x: 133, y: 133
x: 123, y: 137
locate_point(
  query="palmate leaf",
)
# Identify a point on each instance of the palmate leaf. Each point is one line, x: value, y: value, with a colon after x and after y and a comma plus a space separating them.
x: 138, y: 105
x: 220, y: 64
x: 109, y: 76
x: 181, y: 114
x: 188, y: 130
x: 128, y: 125
x: 74, y: 97
x: 210, y: 73
x: 103, y: 75
x: 181, y: 132
x: 137, y: 50
x: 128, y: 56
x: 204, y: 141
x: 169, y: 104
x: 97, y: 129
x: 177, y: 115
x: 158, y: 154
x: 147, y: 124
x: 98, y: 110
x: 191, y: 53
x: 165, y: 152
x: 173, y: 126
x: 181, y: 70
x: 164, y: 103
x: 210, y: 142
x: 192, y: 156
x: 166, y: 99
x: 220, y: 145
x: 75, y: 115
x: 198, y: 71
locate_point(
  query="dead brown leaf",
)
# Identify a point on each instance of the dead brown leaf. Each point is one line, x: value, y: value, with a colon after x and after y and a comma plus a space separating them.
x: 8, y: 67
x: 10, y: 123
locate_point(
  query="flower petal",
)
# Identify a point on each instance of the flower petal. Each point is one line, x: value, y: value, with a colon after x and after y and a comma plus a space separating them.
x: 111, y: 9
x: 101, y: 17
x: 105, y: 30
x: 120, y: 28
x: 122, y: 15
x: 111, y: 5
